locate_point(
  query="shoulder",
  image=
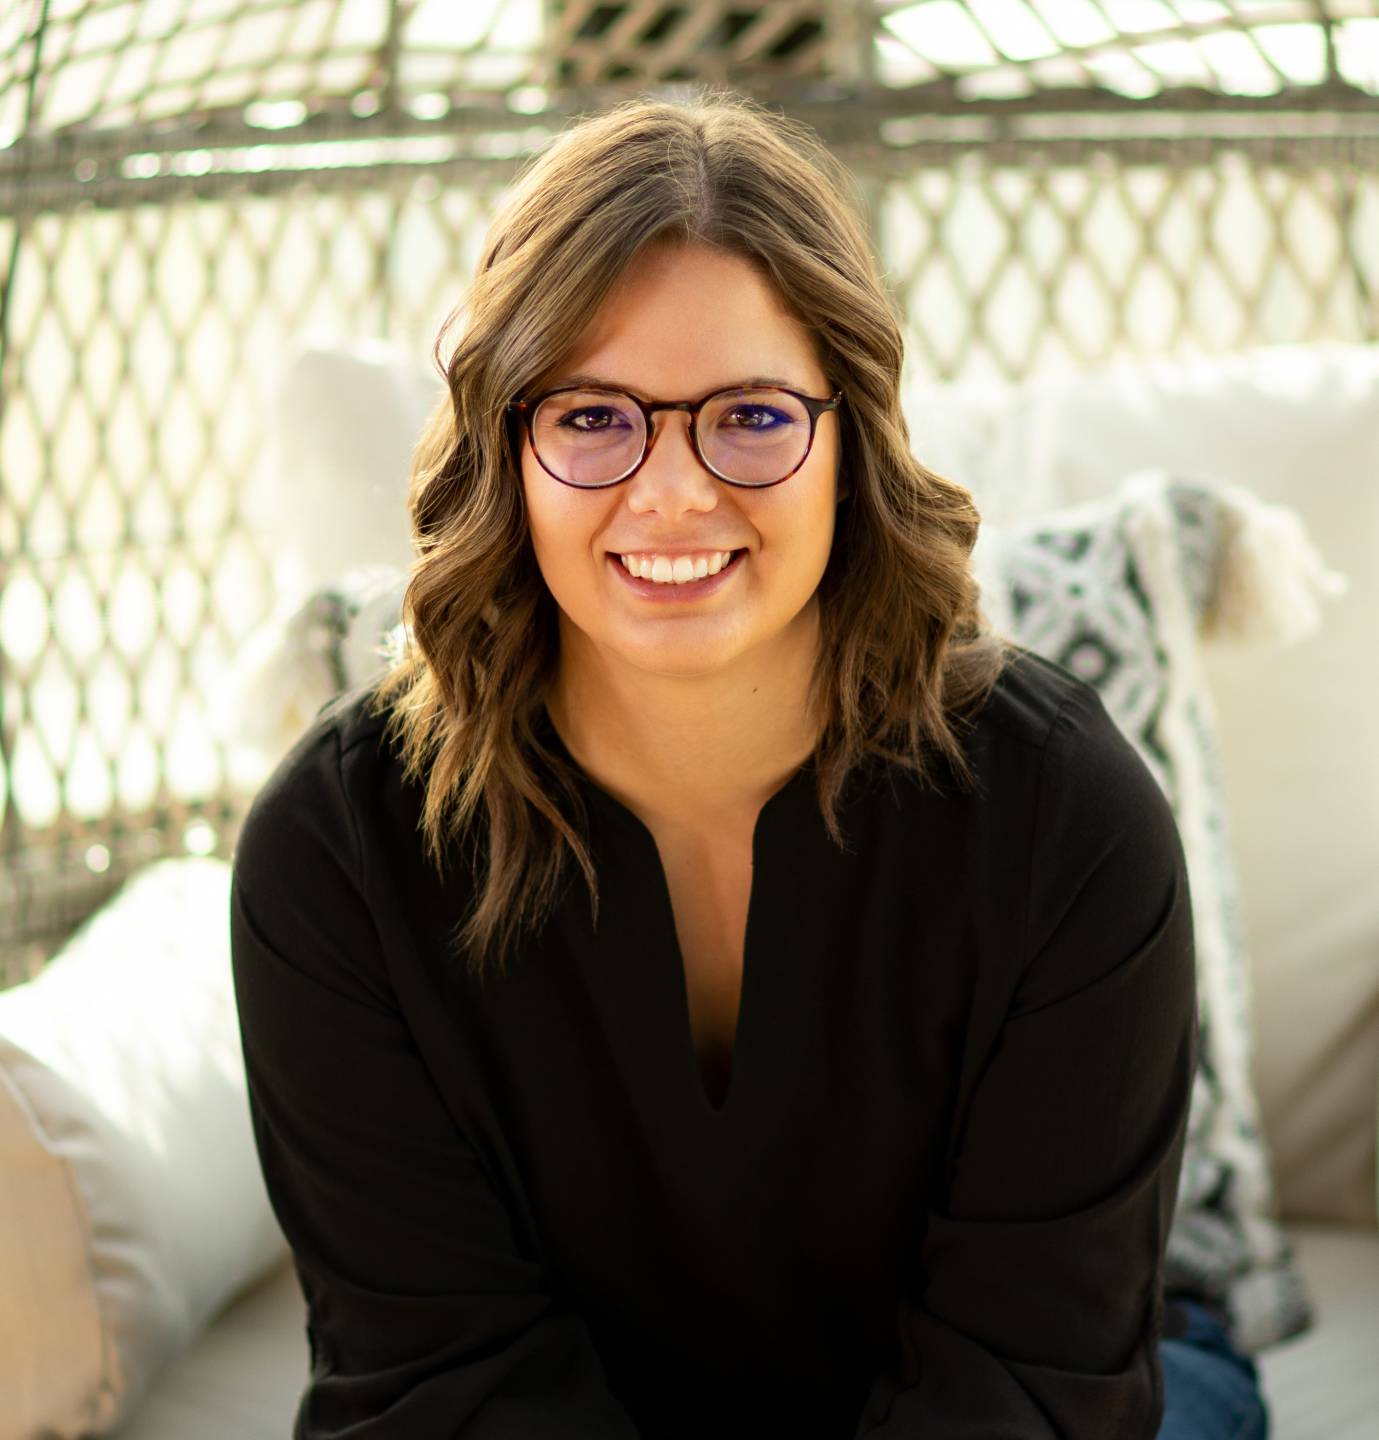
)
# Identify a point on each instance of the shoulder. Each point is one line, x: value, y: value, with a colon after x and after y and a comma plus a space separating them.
x: 297, y: 874
x: 1087, y: 766
x: 1035, y: 698
x: 1105, y: 858
x: 306, y: 807
x: 1047, y: 725
x: 1087, y: 770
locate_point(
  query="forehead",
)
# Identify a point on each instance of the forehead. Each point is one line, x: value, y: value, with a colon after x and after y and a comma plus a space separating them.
x: 690, y: 318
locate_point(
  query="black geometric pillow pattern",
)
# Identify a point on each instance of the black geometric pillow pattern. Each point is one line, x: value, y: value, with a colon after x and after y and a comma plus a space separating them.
x: 1117, y: 591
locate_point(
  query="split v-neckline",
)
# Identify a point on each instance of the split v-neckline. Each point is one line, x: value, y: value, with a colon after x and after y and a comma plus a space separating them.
x: 775, y: 830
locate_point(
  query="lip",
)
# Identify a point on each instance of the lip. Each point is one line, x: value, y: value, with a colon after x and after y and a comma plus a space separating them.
x: 678, y: 594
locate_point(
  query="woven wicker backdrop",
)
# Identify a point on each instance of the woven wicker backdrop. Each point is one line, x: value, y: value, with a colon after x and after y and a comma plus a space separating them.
x: 191, y: 189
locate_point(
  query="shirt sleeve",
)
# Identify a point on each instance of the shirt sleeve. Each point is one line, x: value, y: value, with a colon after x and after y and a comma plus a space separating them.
x: 1040, y: 1303
x: 426, y: 1316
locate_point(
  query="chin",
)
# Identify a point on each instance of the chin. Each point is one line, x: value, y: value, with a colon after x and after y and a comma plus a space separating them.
x: 684, y: 661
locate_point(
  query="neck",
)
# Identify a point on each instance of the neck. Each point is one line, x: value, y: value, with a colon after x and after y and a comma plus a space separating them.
x: 689, y: 751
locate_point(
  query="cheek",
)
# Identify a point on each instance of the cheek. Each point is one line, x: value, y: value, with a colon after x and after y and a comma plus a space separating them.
x: 800, y: 522
x: 543, y: 525
x: 543, y: 502
x: 561, y: 522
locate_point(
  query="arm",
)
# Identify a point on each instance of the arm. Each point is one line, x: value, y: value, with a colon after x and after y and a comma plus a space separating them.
x: 1040, y: 1308
x: 426, y: 1317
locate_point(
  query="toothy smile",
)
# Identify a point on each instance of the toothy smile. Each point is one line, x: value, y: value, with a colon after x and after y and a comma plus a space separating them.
x: 678, y: 569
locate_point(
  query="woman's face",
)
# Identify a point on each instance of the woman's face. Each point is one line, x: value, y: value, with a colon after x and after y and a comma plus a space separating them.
x: 684, y: 321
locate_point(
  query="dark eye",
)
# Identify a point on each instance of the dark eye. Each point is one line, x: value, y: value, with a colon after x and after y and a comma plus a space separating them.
x: 757, y: 417
x: 603, y: 417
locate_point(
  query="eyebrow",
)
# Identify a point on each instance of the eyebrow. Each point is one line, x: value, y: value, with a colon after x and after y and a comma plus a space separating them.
x: 602, y: 382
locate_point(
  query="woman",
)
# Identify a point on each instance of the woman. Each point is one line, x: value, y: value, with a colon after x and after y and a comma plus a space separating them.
x: 712, y: 986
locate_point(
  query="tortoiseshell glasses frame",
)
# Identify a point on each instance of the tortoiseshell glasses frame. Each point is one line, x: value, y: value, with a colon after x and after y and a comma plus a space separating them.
x: 813, y: 406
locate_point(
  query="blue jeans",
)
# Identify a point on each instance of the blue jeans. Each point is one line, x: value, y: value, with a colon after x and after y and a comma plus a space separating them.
x: 1211, y: 1390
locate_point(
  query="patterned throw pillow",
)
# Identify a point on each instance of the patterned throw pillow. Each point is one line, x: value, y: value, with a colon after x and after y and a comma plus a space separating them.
x: 1118, y: 591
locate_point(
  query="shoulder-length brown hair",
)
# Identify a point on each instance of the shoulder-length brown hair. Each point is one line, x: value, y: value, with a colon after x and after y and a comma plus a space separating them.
x: 906, y: 656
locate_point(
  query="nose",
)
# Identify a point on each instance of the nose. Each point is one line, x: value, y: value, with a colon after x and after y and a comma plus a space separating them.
x: 672, y: 479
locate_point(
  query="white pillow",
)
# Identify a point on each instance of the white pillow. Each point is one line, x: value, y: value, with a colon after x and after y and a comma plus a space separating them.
x: 1299, y: 427
x: 133, y: 1203
x: 341, y: 432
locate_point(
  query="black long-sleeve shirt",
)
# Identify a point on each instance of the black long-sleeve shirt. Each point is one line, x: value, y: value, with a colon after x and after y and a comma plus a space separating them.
x: 933, y: 1205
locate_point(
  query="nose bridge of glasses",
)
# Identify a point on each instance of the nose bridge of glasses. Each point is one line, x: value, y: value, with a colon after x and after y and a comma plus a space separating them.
x: 653, y: 429
x: 645, y: 471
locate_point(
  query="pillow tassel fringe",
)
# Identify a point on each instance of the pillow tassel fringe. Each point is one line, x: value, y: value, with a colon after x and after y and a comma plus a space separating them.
x: 1272, y: 578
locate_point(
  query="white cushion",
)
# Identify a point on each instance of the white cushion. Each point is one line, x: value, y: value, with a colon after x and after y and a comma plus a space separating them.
x: 241, y: 1378
x: 1324, y: 1385
x: 134, y: 1207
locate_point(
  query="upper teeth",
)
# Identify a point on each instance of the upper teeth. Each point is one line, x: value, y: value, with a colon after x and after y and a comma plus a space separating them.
x: 665, y: 571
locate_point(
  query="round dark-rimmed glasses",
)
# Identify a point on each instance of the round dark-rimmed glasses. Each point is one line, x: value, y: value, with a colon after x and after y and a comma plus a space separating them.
x: 590, y: 436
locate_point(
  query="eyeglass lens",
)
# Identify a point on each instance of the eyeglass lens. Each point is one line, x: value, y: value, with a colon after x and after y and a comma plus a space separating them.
x: 592, y: 437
